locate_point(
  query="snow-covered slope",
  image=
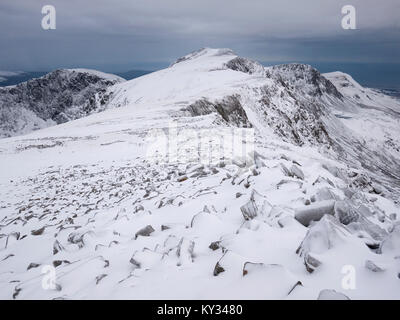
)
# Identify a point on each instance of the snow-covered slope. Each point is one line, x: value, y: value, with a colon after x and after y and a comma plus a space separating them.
x: 97, y: 205
x: 55, y: 98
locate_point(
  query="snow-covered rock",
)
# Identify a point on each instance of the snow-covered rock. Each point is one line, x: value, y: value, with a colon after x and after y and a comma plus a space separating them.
x: 55, y: 98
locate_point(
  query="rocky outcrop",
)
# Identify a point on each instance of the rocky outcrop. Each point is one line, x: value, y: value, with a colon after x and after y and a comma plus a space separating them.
x: 229, y: 110
x: 55, y: 98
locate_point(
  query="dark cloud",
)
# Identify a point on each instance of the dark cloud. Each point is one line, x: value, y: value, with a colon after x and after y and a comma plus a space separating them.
x: 123, y: 34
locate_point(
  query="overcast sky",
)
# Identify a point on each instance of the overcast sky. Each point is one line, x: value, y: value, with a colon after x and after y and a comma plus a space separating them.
x: 147, y: 34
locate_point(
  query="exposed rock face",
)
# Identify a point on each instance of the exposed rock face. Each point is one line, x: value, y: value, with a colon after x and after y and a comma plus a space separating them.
x: 55, y: 98
x: 305, y: 78
x: 229, y: 109
x: 294, y: 116
x: 246, y: 66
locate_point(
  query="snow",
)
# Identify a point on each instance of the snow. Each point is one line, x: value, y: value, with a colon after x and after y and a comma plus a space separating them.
x: 97, y: 73
x: 75, y: 195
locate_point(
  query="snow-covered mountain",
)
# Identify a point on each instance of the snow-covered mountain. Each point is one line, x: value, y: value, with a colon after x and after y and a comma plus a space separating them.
x: 55, y: 98
x: 5, y: 74
x: 138, y: 201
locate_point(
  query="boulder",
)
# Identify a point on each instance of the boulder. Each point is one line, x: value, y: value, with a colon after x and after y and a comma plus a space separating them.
x: 345, y: 212
x: 314, y: 212
x: 257, y: 205
x: 145, y: 232
x: 322, y: 236
x: 296, y: 172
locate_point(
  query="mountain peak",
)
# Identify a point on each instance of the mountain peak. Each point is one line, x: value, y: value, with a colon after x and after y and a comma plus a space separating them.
x: 205, y: 52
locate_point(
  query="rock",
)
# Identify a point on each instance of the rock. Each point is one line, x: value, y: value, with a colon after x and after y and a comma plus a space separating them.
x: 331, y: 295
x: 297, y: 284
x: 370, y: 265
x: 15, y: 235
x: 352, y: 174
x: 348, y: 193
x: 257, y: 205
x: 221, y: 164
x: 245, y: 65
x: 229, y: 109
x: 145, y: 232
x: 8, y: 256
x: 215, y: 245
x: 76, y: 238
x: 364, y: 211
x: 296, y: 172
x: 365, y: 226
x: 229, y: 262
x: 285, y: 170
x: 38, y: 232
x: 16, y: 292
x: 55, y: 98
x: 183, y: 178
x: 249, y: 210
x: 33, y: 265
x: 391, y: 244
x: 258, y: 159
x: 393, y: 216
x: 311, y: 262
x: 185, y: 251
x: 380, y: 215
x: 138, y: 208
x: 345, y: 212
x: 324, y: 194
x: 100, y: 277
x: 321, y: 237
x: 322, y: 180
x: 136, y: 264
x: 218, y: 269
x: 377, y: 189
x: 57, y: 247
x: 57, y: 263
x: 238, y: 194
x: 314, y: 212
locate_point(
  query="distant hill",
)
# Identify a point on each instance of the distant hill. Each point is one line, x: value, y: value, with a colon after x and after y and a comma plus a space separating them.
x: 9, y: 78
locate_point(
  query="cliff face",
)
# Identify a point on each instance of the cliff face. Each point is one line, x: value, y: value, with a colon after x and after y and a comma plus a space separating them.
x: 55, y: 98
